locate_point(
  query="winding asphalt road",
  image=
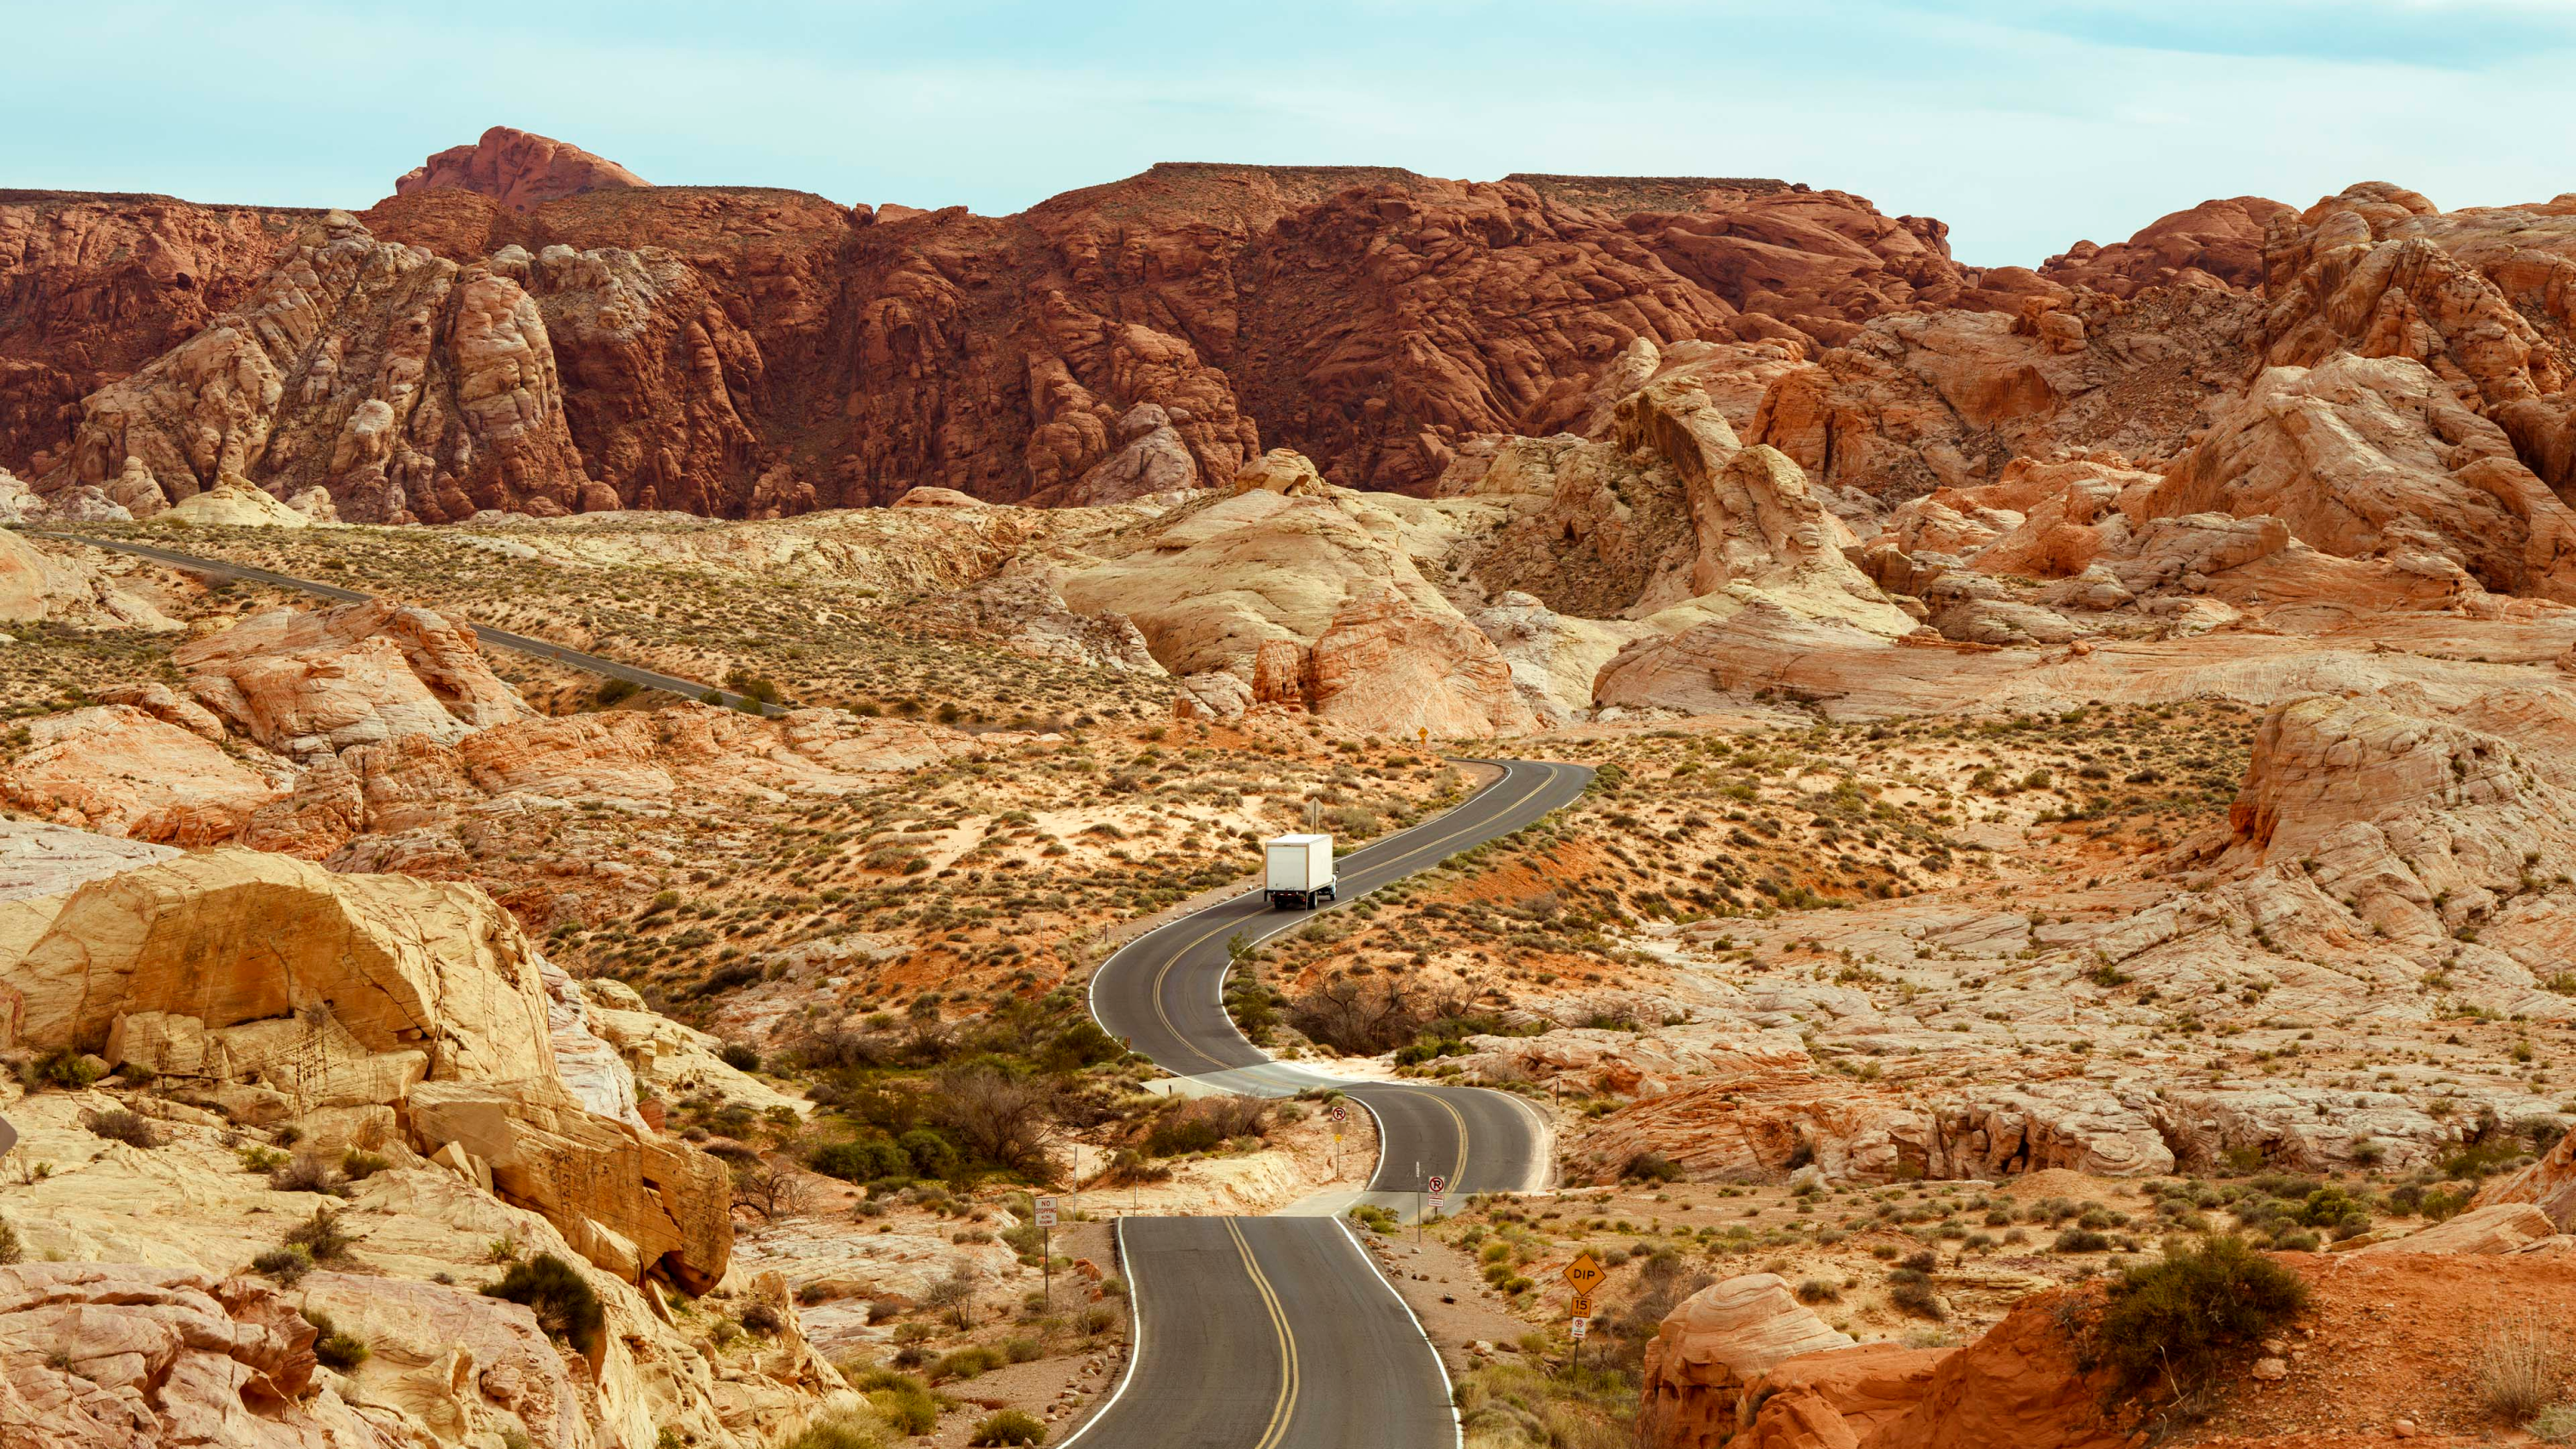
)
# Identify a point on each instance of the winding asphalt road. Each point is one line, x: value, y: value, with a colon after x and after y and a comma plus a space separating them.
x: 497, y: 638
x: 1251, y: 1333
x: 1164, y: 995
x: 1279, y: 1332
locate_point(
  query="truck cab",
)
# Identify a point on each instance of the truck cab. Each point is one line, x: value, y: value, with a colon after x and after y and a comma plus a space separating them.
x: 1297, y: 871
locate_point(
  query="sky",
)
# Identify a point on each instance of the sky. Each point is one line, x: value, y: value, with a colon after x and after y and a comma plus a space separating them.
x: 2025, y: 127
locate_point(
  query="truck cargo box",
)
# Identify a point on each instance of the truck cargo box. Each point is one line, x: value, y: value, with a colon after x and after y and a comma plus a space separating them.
x: 1298, y: 870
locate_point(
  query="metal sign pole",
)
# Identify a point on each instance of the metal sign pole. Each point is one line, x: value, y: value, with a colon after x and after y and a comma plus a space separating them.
x: 1043, y: 1209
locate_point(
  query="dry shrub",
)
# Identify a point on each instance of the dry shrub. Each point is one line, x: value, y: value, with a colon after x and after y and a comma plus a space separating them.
x: 2175, y: 1319
x: 1204, y: 1124
x: 120, y: 1125
x: 2520, y: 1366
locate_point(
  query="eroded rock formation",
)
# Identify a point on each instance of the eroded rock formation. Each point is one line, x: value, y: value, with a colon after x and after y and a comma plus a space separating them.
x: 2214, y: 244
x: 307, y: 684
x: 111, y: 1357
x: 406, y: 386
x: 93, y: 287
x: 283, y: 992
x: 1741, y: 1363
x: 740, y: 351
x: 516, y: 169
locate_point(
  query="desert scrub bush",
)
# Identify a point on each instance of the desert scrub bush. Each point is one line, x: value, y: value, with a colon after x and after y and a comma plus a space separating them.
x: 954, y: 1295
x: 2519, y: 1367
x: 2555, y: 1424
x: 65, y: 1068
x: 1909, y: 1290
x: 255, y: 1158
x: 11, y: 1250
x: 867, y: 1159
x: 840, y: 1431
x: 1205, y: 1124
x: 1010, y: 1426
x: 2176, y: 1318
x: 287, y: 1265
x: 1376, y: 1219
x: 334, y: 1346
x: 905, y: 1401
x: 123, y: 1126
x: 972, y: 1361
x: 1505, y: 1406
x: 564, y: 1302
x: 1817, y: 1290
x: 1028, y: 1240
x: 1651, y: 1167
x: 308, y: 1173
x: 357, y: 1165
x: 321, y: 1236
x: 2080, y: 1240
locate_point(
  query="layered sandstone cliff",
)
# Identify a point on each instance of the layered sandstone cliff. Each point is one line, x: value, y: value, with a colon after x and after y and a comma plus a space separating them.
x: 743, y: 351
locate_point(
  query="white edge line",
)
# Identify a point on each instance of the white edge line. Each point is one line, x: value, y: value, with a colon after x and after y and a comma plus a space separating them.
x: 1448, y: 1388
x: 1136, y: 1344
x: 1091, y: 987
x: 1380, y: 1169
x: 1543, y: 1169
x: 1136, y: 1295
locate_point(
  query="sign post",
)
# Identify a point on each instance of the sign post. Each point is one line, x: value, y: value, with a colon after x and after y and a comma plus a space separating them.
x: 1046, y: 1246
x: 1582, y: 1275
x: 1340, y: 1114
x: 1433, y: 1186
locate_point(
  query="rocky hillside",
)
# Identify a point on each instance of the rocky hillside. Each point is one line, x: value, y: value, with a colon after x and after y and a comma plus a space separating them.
x: 743, y: 352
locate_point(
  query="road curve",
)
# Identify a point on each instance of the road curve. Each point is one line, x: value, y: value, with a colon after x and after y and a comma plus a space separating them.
x: 1279, y: 1332
x: 1164, y: 994
x: 1251, y: 1333
x: 497, y: 638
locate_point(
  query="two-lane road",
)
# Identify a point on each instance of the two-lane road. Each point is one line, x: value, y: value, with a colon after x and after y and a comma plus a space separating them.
x: 1251, y: 1333
x: 498, y: 638
x: 1164, y: 994
x: 1279, y: 1332
x: 1267, y: 1333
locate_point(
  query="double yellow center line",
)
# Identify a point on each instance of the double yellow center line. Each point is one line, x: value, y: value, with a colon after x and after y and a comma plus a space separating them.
x: 1289, y: 1372
x: 1458, y: 1174
x: 1162, y: 976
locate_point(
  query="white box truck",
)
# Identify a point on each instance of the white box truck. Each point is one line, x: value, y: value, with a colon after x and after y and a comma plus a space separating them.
x: 1299, y: 870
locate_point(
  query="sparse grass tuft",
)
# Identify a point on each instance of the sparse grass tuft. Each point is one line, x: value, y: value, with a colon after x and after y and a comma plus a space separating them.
x: 1010, y: 1426
x: 2520, y: 1367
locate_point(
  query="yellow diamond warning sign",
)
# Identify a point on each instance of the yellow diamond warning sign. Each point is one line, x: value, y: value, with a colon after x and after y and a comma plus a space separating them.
x: 1584, y: 1274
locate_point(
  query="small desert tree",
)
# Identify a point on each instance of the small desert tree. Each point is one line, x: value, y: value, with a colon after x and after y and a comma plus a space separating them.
x: 954, y: 1295
x: 996, y: 1116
